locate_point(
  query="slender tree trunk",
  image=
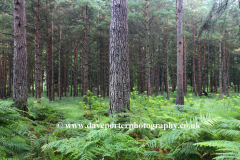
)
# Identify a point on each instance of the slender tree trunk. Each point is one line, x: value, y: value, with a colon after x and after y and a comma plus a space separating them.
x: 86, y: 55
x: 38, y: 67
x: 20, y: 55
x: 71, y: 72
x: 194, y: 50
x: 220, y: 69
x: 75, y: 92
x: 180, y: 95
x: 211, y: 70
x: 65, y: 67
x: 119, y: 92
x: 10, y: 66
x: 224, y: 69
x: 167, y: 80
x: 173, y: 74
x: 4, y: 75
x: 48, y: 61
x: 157, y: 72
x: 203, y: 66
x: 185, y: 67
x: 59, y: 58
x: 199, y: 88
x: 53, y: 64
x: 139, y: 66
x: 147, y: 68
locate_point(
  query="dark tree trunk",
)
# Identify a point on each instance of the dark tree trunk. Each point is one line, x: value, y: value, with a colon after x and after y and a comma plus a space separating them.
x: 147, y: 68
x: 119, y: 92
x: 199, y: 88
x: 180, y: 95
x: 185, y: 67
x: 220, y: 69
x: 20, y: 55
x: 4, y: 75
x: 166, y: 65
x: 10, y: 66
x: 75, y: 86
x: 224, y: 69
x: 203, y: 66
x: 86, y: 55
x: 59, y: 59
x: 53, y: 88
x: 38, y: 67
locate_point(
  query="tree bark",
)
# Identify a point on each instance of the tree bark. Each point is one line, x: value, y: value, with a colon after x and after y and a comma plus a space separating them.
x: 20, y: 55
x: 53, y: 88
x: 38, y: 67
x: 204, y: 69
x: 180, y: 96
x: 194, y: 50
x: 199, y: 88
x: 119, y: 92
x: 166, y: 65
x: 59, y: 59
x: 220, y: 68
x: 86, y: 55
x: 147, y: 68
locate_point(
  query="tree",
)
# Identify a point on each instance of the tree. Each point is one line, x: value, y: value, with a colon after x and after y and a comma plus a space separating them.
x: 180, y: 96
x: 20, y: 55
x: 119, y: 87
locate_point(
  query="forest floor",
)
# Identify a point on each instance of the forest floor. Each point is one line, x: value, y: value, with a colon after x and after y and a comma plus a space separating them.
x: 48, y: 133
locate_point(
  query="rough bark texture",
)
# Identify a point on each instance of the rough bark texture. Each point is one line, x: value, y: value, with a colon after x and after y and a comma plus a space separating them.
x: 20, y: 54
x: 10, y: 66
x: 4, y: 74
x: 180, y: 96
x: 119, y: 92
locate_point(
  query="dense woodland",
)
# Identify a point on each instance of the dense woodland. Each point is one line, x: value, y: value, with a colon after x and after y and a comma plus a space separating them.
x: 119, y: 61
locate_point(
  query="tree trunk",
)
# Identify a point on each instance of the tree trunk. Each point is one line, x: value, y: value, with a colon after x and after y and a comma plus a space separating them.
x: 167, y: 80
x: 199, y: 88
x: 4, y: 75
x: 220, y: 69
x: 10, y: 66
x: 53, y: 88
x: 86, y: 55
x: 20, y: 55
x: 119, y: 92
x: 38, y: 67
x: 180, y: 96
x: 224, y: 69
x: 59, y: 59
x: 147, y: 68
x: 194, y: 50
x: 203, y: 66
x: 75, y: 86
x: 185, y: 67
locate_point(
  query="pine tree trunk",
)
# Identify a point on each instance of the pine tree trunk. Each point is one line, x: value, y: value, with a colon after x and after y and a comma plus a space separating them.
x: 199, y: 88
x: 220, y: 69
x: 59, y: 59
x: 194, y: 50
x: 185, y: 67
x: 119, y: 89
x: 75, y: 92
x: 10, y: 66
x: 224, y: 69
x: 4, y: 75
x: 20, y: 55
x: 180, y: 95
x: 166, y: 65
x: 48, y: 61
x: 86, y: 55
x: 147, y: 68
x: 203, y: 66
x: 53, y: 64
x: 38, y: 67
